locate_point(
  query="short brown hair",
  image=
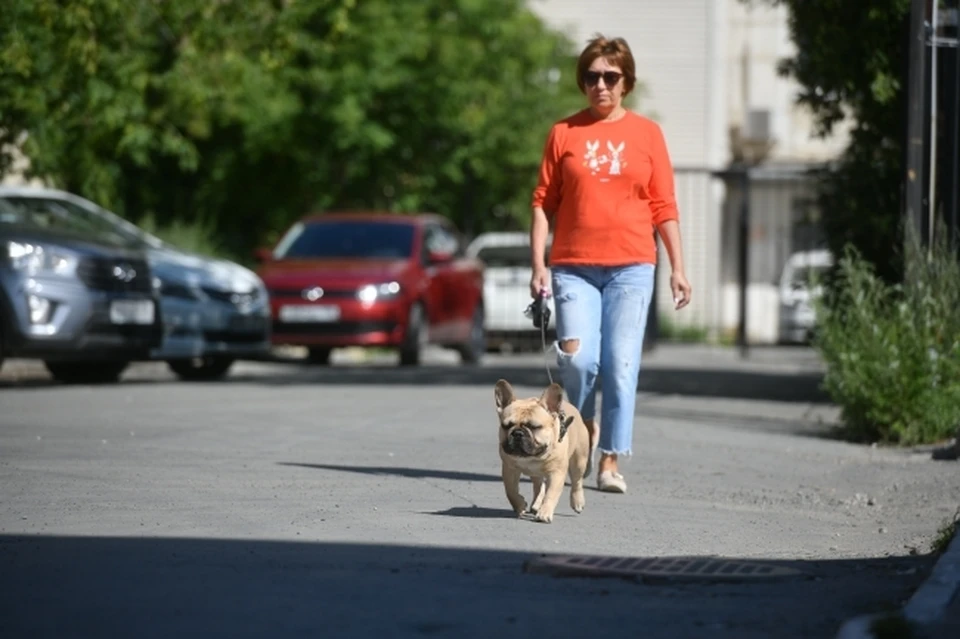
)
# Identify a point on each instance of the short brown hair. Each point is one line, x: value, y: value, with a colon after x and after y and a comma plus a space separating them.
x: 616, y: 51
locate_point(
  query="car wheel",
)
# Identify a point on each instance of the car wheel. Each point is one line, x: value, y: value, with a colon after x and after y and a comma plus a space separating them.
x: 86, y: 372
x: 201, y: 368
x: 416, y: 337
x: 476, y: 344
x: 319, y: 356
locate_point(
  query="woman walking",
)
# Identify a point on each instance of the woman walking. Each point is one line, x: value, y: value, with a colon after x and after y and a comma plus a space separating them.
x: 605, y: 184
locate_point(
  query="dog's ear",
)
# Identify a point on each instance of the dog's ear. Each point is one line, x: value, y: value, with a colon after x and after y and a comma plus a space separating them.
x: 552, y: 397
x: 564, y: 426
x: 503, y: 394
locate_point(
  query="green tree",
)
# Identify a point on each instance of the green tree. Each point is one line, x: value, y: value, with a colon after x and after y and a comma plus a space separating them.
x: 244, y: 116
x: 861, y: 77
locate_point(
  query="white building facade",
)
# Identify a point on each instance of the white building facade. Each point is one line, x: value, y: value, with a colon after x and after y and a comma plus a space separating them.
x: 709, y: 75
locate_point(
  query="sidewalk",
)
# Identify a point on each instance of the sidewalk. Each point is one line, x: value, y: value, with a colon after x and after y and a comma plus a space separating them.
x: 780, y: 386
x: 771, y: 385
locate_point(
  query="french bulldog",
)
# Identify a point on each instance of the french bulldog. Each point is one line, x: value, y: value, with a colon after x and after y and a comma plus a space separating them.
x: 546, y: 439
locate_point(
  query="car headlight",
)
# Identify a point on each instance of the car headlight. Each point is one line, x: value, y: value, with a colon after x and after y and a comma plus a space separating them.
x: 36, y: 259
x: 234, y: 278
x: 373, y: 292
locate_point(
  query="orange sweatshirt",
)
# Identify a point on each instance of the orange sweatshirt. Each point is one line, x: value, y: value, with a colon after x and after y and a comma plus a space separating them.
x: 604, y: 187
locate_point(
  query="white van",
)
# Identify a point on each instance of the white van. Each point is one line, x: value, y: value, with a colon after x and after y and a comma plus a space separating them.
x: 797, y: 292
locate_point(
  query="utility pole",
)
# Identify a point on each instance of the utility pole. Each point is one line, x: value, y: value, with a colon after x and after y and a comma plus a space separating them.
x: 916, y: 119
x: 743, y: 246
x: 951, y: 177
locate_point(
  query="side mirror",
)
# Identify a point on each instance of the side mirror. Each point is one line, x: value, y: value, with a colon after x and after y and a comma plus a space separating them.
x: 262, y: 254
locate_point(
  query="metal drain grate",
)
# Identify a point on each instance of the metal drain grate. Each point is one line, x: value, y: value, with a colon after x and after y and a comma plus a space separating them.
x: 653, y: 568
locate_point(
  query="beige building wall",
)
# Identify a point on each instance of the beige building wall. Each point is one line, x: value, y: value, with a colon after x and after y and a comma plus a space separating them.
x: 710, y: 69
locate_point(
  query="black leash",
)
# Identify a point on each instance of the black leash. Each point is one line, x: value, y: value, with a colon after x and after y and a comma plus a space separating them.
x: 539, y: 312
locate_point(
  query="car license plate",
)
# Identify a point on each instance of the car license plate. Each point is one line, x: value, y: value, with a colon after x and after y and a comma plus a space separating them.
x: 309, y: 313
x: 132, y: 312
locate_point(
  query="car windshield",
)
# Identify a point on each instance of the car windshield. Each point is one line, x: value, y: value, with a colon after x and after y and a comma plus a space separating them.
x: 65, y: 216
x: 346, y: 239
x: 507, y: 256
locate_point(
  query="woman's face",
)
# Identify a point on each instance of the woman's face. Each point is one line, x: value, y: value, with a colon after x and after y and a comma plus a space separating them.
x: 604, y: 84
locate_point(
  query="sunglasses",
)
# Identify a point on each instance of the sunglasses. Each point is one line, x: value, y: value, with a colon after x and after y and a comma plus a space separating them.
x: 610, y: 78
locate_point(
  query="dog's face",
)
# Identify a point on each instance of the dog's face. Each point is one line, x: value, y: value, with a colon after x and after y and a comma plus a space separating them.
x: 530, y: 427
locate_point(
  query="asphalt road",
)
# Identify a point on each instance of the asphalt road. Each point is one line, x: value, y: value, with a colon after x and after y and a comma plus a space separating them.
x: 365, y: 501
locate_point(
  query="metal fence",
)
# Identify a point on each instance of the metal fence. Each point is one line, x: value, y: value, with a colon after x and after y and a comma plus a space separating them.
x: 738, y: 227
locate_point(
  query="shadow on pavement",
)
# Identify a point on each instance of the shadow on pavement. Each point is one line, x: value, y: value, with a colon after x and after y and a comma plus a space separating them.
x: 411, y: 473
x: 720, y: 383
x: 713, y: 382
x: 475, y: 512
x: 147, y: 587
x: 420, y: 473
x: 732, y: 384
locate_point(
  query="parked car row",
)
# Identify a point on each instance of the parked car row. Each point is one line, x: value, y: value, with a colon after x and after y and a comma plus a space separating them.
x: 88, y: 292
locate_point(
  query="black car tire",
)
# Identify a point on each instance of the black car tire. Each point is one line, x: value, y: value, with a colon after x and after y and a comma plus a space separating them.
x: 86, y: 372
x: 413, y: 340
x: 198, y: 369
x: 319, y: 356
x: 476, y: 345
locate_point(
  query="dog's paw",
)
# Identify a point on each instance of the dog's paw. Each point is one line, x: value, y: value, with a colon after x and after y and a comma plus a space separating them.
x: 544, y: 516
x: 578, y: 501
x: 520, y: 509
x: 537, y: 504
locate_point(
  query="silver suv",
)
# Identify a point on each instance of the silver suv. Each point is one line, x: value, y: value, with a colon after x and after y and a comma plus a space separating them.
x: 214, y: 311
x: 77, y: 297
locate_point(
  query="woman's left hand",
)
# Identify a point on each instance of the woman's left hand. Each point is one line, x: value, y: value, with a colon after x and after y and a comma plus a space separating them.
x: 681, y: 289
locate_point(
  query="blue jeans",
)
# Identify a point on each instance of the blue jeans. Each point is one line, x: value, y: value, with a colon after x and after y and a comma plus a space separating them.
x: 605, y: 308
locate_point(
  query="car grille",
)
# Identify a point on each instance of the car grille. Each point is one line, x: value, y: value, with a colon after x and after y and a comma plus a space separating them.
x: 298, y: 293
x: 115, y: 275
x: 229, y: 297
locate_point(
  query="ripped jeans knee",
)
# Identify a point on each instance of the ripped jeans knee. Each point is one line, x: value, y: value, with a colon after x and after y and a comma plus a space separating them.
x: 568, y: 347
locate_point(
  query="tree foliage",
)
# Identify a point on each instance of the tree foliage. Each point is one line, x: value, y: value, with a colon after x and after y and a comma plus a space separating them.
x: 245, y: 115
x: 851, y: 61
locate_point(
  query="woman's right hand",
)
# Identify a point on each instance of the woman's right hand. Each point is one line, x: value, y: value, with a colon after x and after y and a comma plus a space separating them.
x: 540, y: 281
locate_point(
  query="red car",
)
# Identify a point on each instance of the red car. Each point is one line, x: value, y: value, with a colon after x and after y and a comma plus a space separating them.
x: 375, y: 279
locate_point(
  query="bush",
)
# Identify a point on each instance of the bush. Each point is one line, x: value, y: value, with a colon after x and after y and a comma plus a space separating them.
x: 892, y: 352
x: 195, y: 237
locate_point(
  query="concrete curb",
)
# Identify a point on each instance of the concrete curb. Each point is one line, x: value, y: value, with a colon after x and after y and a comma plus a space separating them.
x: 931, y: 599
x: 929, y: 602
